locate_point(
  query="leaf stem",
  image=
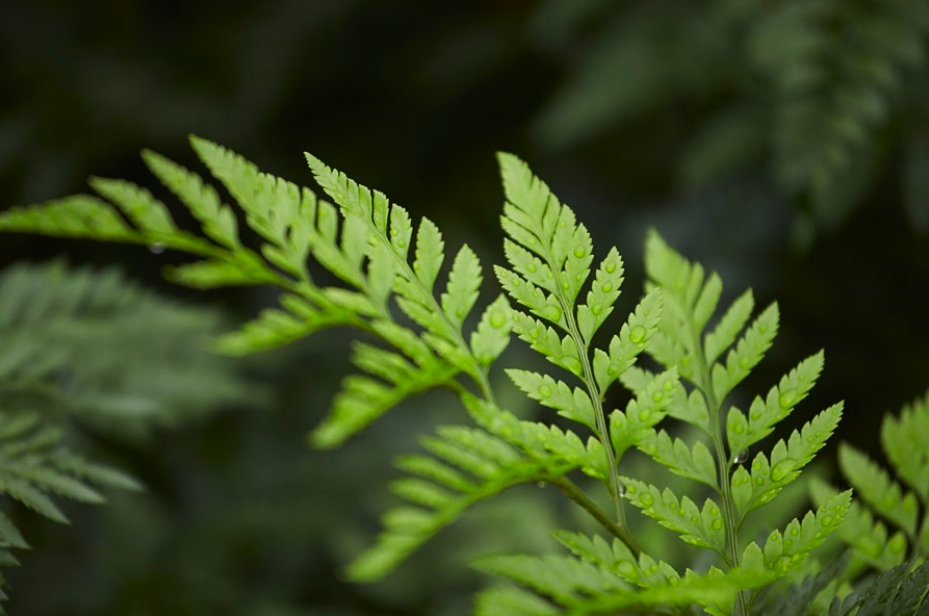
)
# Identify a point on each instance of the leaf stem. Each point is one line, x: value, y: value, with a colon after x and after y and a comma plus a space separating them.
x: 714, y: 408
x: 572, y: 491
x: 614, y: 484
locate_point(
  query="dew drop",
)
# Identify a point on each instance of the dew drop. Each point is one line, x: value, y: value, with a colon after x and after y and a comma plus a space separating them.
x: 157, y: 248
x: 531, y: 268
x: 565, y: 285
x: 545, y: 391
x: 497, y: 320
x: 782, y: 469
x: 610, y: 267
x: 717, y: 524
x: 637, y: 334
x: 658, y: 396
x: 827, y: 520
x: 541, y: 484
x: 606, y: 287
x: 646, y: 499
x: 759, y: 481
x: 630, y: 489
x: 534, y: 332
x: 401, y: 244
x: 596, y: 309
x: 579, y: 252
x: 622, y: 490
x: 554, y: 313
x: 644, y: 415
x: 668, y: 385
x: 741, y: 457
x: 739, y: 429
x: 787, y: 398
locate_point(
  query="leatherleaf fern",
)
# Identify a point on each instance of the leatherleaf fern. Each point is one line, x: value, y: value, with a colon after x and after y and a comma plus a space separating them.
x: 418, y: 337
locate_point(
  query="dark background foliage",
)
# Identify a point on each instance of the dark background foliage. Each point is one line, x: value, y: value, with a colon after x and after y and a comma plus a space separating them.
x: 784, y: 143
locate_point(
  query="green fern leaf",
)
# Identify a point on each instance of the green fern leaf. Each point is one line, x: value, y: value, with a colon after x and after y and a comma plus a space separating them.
x: 464, y: 282
x: 693, y: 463
x: 492, y: 335
x: 861, y: 531
x: 729, y: 326
x: 788, y: 458
x: 145, y: 212
x: 763, y: 415
x: 904, y: 440
x: 466, y: 465
x: 748, y: 352
x: 574, y: 404
x: 785, y: 550
x: 218, y: 220
x: 877, y: 489
x: 700, y: 527
x: 633, y: 428
x: 80, y: 216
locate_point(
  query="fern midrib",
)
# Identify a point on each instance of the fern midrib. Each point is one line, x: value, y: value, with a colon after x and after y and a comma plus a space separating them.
x: 714, y: 407
x: 596, y: 398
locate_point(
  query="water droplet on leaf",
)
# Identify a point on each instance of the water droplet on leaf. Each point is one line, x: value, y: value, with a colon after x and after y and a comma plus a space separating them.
x: 637, y: 334
x: 157, y: 248
x: 741, y: 457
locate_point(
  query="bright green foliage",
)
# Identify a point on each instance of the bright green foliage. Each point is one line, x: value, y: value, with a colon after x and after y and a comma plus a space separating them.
x: 550, y: 254
x: 464, y: 465
x: 560, y: 303
x: 715, y: 363
x: 884, y: 500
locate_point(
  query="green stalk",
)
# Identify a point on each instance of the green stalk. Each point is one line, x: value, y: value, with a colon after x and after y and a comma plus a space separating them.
x: 714, y: 408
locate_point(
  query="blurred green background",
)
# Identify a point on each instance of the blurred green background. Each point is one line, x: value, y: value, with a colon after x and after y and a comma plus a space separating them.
x: 784, y: 143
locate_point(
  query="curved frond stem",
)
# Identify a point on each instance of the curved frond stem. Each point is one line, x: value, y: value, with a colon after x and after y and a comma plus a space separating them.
x: 583, y: 351
x: 576, y: 494
x: 714, y: 408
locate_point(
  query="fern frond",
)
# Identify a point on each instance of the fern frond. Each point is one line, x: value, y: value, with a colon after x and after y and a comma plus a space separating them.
x: 903, y: 441
x: 550, y: 255
x: 872, y: 546
x: 73, y: 340
x: 785, y: 550
x: 691, y: 298
x: 465, y: 466
x: 875, y: 486
x: 581, y: 585
x: 37, y: 469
